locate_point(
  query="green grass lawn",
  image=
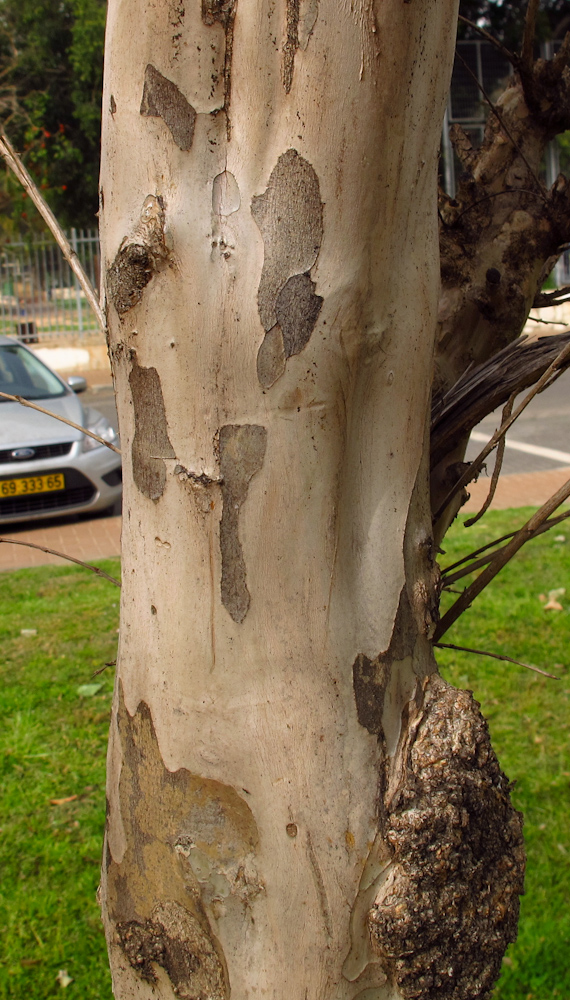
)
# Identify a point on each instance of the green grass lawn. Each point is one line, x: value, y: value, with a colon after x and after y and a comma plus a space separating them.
x: 53, y: 738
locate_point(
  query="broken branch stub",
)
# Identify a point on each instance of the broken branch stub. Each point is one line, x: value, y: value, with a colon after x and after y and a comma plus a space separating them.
x: 139, y: 257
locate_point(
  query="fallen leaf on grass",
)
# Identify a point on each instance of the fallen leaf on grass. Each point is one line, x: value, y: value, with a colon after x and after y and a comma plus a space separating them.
x: 25, y: 962
x: 61, y: 802
x: 88, y: 690
x: 63, y: 979
x: 553, y: 602
x: 28, y: 631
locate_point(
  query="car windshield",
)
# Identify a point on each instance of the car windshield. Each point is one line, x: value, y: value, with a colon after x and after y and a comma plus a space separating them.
x: 22, y: 374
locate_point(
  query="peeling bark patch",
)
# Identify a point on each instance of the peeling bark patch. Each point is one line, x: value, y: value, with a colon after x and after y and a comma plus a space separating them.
x: 370, y: 677
x: 139, y: 257
x: 151, y: 443
x: 448, y: 904
x: 242, y: 450
x: 289, y: 216
x: 180, y: 946
x: 162, y: 99
x: 308, y: 13
x: 156, y: 902
x: 223, y: 12
x: 297, y: 309
x: 226, y: 198
x: 291, y: 43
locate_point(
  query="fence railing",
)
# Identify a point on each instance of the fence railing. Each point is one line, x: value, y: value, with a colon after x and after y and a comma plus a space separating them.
x: 40, y: 297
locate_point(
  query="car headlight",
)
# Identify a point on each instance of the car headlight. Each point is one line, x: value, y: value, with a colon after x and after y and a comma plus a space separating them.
x: 101, y: 426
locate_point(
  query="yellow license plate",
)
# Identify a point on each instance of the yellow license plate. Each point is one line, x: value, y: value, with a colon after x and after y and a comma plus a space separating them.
x: 32, y: 484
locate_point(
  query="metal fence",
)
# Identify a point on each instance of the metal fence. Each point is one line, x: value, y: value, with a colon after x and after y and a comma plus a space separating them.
x: 40, y: 297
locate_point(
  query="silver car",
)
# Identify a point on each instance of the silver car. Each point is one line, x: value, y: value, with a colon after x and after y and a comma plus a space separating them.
x: 46, y: 467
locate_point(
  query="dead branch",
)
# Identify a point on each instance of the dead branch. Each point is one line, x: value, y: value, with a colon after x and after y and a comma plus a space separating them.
x: 14, y: 162
x: 554, y: 298
x: 497, y: 469
x: 510, y: 56
x: 449, y: 577
x: 495, y: 656
x: 481, y: 390
x: 500, y: 559
x: 62, y: 555
x: 560, y: 362
x: 56, y: 416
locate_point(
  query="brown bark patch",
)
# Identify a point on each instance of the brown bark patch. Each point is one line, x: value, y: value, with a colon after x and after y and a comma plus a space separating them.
x: 448, y: 903
x: 189, y: 841
x: 162, y: 99
x: 139, y: 257
x: 223, y: 12
x: 289, y: 216
x: 291, y: 43
x: 151, y: 443
x: 179, y: 945
x: 242, y: 450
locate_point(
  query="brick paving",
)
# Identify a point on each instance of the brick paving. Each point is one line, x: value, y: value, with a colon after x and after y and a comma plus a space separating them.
x: 100, y: 538
x: 525, y: 489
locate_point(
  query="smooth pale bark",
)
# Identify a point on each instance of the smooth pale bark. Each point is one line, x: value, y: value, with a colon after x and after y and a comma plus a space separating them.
x: 269, y: 235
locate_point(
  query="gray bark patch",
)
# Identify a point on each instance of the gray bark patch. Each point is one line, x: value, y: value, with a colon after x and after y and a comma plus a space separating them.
x: 162, y: 99
x: 271, y: 357
x: 297, y: 309
x: 449, y: 901
x: 289, y: 216
x: 151, y: 443
x: 242, y: 450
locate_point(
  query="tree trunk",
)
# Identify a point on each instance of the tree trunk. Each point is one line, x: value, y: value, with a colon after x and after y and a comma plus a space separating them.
x: 290, y: 783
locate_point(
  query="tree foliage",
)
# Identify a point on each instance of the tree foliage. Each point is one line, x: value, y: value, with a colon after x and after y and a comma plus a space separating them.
x: 51, y: 59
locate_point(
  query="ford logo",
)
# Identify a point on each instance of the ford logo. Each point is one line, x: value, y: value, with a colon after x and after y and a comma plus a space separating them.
x: 23, y: 453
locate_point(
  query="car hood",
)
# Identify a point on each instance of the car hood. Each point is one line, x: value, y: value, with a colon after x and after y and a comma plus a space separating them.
x: 20, y: 425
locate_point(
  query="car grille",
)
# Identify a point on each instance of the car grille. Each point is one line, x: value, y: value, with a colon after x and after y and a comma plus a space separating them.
x: 78, y: 490
x: 40, y: 451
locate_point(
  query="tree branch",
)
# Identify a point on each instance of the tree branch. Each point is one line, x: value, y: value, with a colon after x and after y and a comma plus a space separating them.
x: 485, y: 387
x: 495, y: 656
x: 498, y: 466
x: 61, y: 555
x: 562, y: 359
x: 482, y: 562
x: 56, y: 416
x: 510, y: 56
x: 14, y: 162
x: 529, y: 34
x: 500, y: 559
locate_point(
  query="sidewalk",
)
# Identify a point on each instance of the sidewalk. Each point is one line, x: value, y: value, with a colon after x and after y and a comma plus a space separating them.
x: 100, y: 538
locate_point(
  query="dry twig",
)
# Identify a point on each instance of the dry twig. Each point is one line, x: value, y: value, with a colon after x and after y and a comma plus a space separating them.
x: 495, y: 656
x: 62, y: 555
x: 497, y: 469
x: 17, y: 167
x: 474, y: 468
x: 64, y: 420
x: 500, y: 559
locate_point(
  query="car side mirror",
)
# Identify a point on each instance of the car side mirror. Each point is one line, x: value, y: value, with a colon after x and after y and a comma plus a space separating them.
x: 77, y: 383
